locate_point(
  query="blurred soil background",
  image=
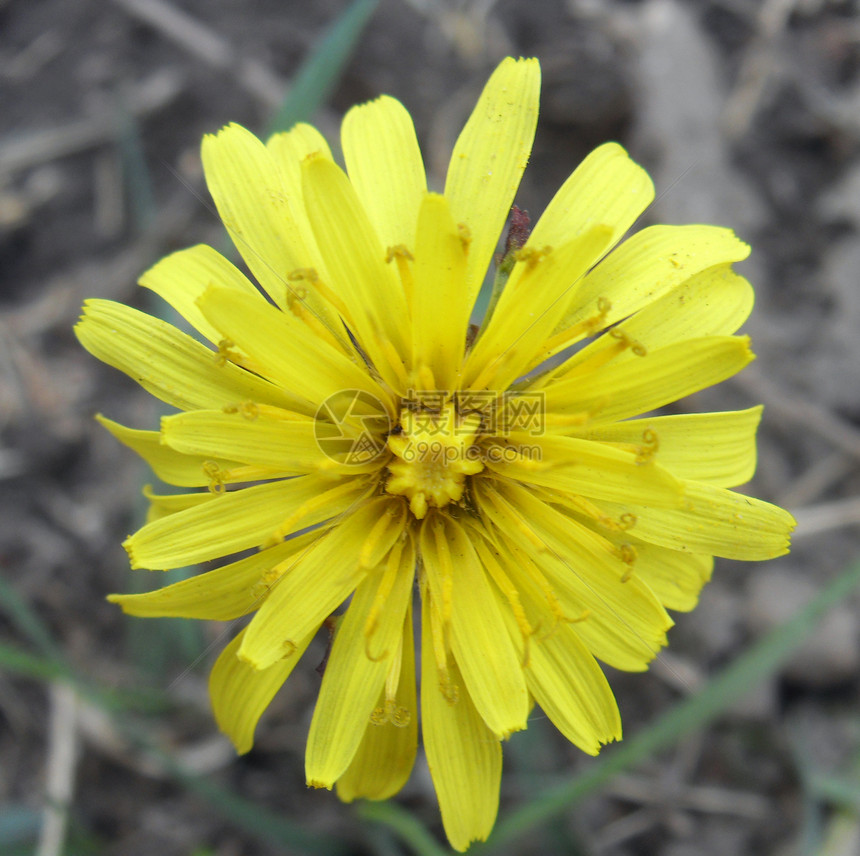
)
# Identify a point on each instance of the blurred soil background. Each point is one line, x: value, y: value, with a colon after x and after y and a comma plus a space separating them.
x: 746, y: 113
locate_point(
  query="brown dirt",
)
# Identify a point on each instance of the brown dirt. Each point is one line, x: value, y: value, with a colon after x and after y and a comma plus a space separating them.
x: 747, y: 115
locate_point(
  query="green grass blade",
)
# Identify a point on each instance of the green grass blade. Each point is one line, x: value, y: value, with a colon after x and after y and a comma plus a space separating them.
x: 255, y: 819
x: 159, y: 647
x: 13, y: 659
x: 17, y: 661
x: 244, y: 814
x: 763, y: 658
x: 320, y: 72
x: 24, y: 617
x: 138, y: 181
x: 838, y: 790
x: 407, y: 827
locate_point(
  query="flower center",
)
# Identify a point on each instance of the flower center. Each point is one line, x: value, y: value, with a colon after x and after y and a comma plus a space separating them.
x: 434, y: 452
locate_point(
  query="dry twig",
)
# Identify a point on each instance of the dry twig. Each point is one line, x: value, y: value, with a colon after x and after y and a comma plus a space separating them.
x: 756, y: 68
x: 35, y: 147
x: 827, y: 516
x: 794, y: 410
x: 209, y: 47
x: 62, y: 757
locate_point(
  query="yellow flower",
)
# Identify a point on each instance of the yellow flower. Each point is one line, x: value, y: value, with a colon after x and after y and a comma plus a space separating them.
x: 388, y: 444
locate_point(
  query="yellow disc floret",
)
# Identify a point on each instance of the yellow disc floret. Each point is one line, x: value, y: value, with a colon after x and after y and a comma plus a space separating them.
x: 434, y: 452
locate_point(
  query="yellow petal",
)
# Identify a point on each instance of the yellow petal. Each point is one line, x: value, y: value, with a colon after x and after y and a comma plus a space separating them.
x: 715, y: 302
x: 289, y: 148
x: 464, y: 756
x: 440, y: 293
x: 385, y: 757
x: 240, y: 694
x: 220, y: 595
x: 619, y: 618
x: 624, y: 629
x: 254, y: 207
x: 675, y: 578
x: 234, y: 521
x: 572, y: 690
x: 572, y: 465
x: 167, y: 363
x: 268, y: 437
x: 715, y: 521
x: 712, y: 303
x: 479, y: 639
x: 356, y: 264
x: 385, y: 167
x: 352, y: 680
x: 163, y: 505
x: 288, y: 352
x: 607, y: 187
x: 182, y: 277
x: 531, y: 304
x: 170, y: 466
x: 649, y: 264
x: 717, y: 448
x: 489, y: 158
x: 630, y: 388
x: 317, y: 582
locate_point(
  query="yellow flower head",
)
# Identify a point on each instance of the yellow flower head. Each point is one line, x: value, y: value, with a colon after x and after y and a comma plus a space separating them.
x: 363, y: 440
